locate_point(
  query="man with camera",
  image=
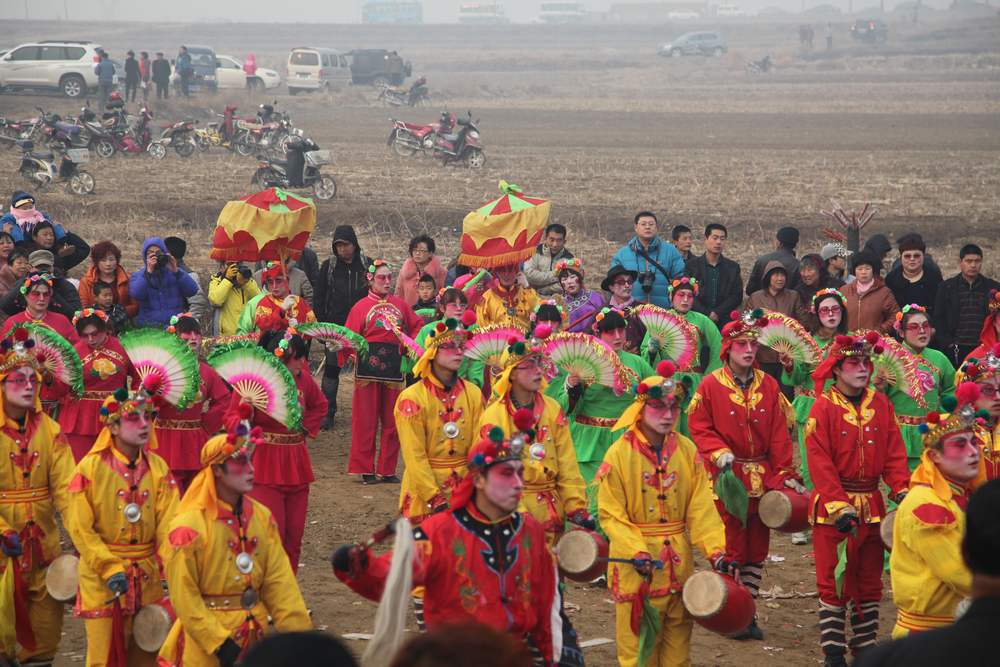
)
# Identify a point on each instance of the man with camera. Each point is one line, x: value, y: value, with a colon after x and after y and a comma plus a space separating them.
x: 229, y: 291
x: 654, y: 260
x: 160, y: 287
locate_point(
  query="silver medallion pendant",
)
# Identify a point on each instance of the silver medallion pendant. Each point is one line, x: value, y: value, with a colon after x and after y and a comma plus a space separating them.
x: 244, y: 563
x: 132, y: 513
x: 451, y: 430
x: 249, y: 599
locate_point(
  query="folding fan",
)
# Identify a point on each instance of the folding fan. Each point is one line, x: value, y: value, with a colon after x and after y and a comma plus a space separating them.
x: 209, y: 344
x: 170, y: 358
x: 56, y: 355
x: 412, y: 348
x: 426, y: 313
x: 336, y: 337
x: 677, y: 337
x: 590, y: 358
x: 489, y: 343
x: 786, y: 336
x: 259, y: 377
x: 899, y: 367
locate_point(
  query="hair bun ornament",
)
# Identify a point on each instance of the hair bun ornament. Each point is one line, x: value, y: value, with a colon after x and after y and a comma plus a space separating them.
x: 524, y: 419
x: 666, y: 368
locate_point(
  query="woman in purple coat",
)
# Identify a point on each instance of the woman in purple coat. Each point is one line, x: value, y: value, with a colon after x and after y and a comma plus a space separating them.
x: 581, y: 304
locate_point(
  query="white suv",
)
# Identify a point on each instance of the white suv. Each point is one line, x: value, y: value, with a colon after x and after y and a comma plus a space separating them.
x: 67, y: 66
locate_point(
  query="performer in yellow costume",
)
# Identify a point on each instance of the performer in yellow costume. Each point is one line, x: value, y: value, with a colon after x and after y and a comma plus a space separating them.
x: 227, y: 571
x: 984, y: 370
x: 655, y: 500
x: 121, y: 501
x: 553, y: 487
x: 35, y: 468
x: 506, y: 302
x: 437, y: 420
x: 929, y: 575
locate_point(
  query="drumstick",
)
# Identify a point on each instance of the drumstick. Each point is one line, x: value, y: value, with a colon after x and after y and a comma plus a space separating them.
x: 658, y: 564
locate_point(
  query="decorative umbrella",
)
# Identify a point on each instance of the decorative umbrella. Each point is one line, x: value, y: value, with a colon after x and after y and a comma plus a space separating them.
x: 504, y: 231
x: 269, y: 225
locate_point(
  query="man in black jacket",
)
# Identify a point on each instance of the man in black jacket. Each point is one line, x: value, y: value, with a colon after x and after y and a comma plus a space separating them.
x: 161, y: 76
x: 342, y: 283
x: 969, y: 642
x: 960, y: 306
x: 131, y: 76
x: 913, y: 280
x: 721, y: 284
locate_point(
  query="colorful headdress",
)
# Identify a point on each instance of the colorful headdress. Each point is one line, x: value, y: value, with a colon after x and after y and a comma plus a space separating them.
x: 908, y: 308
x: 444, y: 332
x: 660, y: 386
x: 977, y: 369
x: 862, y: 347
x: 683, y: 283
x: 35, y: 279
x: 552, y: 303
x: 825, y: 293
x: 741, y: 325
x: 44, y: 350
x: 609, y: 319
x: 988, y: 334
x: 285, y: 341
x: 963, y: 415
x: 518, y: 351
x: 123, y: 402
x: 574, y: 265
x: 175, y: 320
x: 505, y: 231
x: 272, y: 270
x: 492, y: 449
x: 89, y: 312
x: 16, y: 351
x: 994, y: 304
x: 242, y: 440
x: 374, y: 266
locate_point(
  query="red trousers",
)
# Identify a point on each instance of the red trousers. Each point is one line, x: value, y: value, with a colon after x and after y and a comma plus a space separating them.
x: 373, y: 402
x: 288, y: 505
x: 745, y: 545
x: 863, y: 578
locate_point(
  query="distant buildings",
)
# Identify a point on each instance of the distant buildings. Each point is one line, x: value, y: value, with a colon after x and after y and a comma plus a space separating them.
x: 392, y: 11
x: 482, y: 13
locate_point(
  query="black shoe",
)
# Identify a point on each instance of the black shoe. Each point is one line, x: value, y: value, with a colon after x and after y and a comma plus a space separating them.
x: 752, y: 631
x: 389, y: 479
x: 835, y: 661
x: 328, y: 423
x: 369, y: 479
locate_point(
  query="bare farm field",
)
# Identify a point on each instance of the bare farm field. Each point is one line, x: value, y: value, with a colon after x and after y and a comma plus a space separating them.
x: 591, y: 118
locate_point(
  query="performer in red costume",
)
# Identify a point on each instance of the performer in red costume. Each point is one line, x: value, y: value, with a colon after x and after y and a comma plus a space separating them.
x: 737, y: 418
x: 852, y: 441
x: 283, y: 467
x: 481, y: 560
x: 378, y: 378
x: 106, y: 368
x: 181, y: 433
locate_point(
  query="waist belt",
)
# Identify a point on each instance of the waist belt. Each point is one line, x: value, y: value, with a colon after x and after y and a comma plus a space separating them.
x: 96, y: 395
x: 910, y: 421
x: 920, y: 622
x: 661, y: 529
x: 179, y: 424
x: 133, y: 551
x: 601, y: 422
x: 223, y: 602
x: 446, y: 462
x: 283, y: 438
x: 754, y: 459
x: 859, y: 485
x: 34, y: 494
x: 535, y: 487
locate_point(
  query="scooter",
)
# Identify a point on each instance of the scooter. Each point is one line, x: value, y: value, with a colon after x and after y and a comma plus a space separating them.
x: 41, y: 170
x: 415, y: 95
x: 303, y: 157
x: 406, y: 139
x: 180, y: 137
x: 462, y: 146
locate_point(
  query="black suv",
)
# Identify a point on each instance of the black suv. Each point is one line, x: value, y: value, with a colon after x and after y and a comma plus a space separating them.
x: 378, y: 67
x: 870, y: 30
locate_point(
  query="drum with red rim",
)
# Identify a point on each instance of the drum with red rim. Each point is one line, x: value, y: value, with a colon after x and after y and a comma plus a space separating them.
x: 885, y: 528
x: 61, y: 578
x: 718, y: 603
x: 151, y: 625
x: 580, y: 555
x: 784, y: 510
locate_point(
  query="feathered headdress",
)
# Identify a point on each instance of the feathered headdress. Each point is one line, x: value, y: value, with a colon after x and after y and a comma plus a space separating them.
x: 847, y: 346
x: 661, y: 386
x: 446, y: 331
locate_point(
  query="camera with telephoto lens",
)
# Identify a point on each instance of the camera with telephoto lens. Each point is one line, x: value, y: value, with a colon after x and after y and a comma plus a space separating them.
x: 646, y: 279
x: 162, y: 260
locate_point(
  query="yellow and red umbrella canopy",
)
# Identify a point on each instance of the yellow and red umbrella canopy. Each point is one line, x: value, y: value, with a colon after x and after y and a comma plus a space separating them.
x: 504, y: 231
x: 269, y: 225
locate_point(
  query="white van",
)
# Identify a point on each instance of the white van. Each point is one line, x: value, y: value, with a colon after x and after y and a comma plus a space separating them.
x: 315, y: 68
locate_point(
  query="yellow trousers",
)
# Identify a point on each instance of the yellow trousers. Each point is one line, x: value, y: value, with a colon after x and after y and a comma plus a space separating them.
x: 46, y: 617
x: 673, y: 644
x: 99, y: 643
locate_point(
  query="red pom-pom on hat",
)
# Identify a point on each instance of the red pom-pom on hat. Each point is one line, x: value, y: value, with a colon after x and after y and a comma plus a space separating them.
x: 21, y: 335
x: 512, y: 340
x: 967, y: 393
x: 642, y: 388
x: 40, y: 357
x: 666, y: 368
x: 933, y: 418
x: 734, y: 315
x: 468, y: 318
x: 872, y: 337
x: 844, y: 340
x: 440, y: 327
x: 524, y: 419
x: 543, y: 331
x: 878, y: 349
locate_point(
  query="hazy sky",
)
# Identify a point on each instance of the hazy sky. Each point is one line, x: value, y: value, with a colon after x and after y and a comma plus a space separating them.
x: 336, y: 11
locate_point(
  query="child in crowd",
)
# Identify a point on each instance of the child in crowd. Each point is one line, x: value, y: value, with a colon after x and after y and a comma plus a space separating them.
x: 426, y: 297
x: 104, y: 298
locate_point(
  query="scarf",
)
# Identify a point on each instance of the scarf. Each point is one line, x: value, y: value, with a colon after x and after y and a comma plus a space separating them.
x: 29, y: 216
x: 862, y: 288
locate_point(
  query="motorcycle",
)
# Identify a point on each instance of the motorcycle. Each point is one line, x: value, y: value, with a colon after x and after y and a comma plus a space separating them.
x: 762, y: 66
x: 135, y: 136
x: 12, y: 131
x: 441, y: 140
x: 179, y: 136
x: 41, y: 170
x: 99, y: 134
x: 217, y: 133
x: 416, y: 95
x: 408, y: 138
x: 301, y: 169
x: 58, y: 134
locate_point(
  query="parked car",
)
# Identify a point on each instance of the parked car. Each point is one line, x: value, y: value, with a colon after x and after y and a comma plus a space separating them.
x: 61, y: 65
x: 870, y: 30
x: 378, y: 67
x: 229, y: 74
x: 203, y: 60
x: 694, y: 44
x: 314, y: 68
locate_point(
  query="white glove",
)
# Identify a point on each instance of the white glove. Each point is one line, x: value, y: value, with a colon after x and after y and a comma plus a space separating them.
x: 288, y: 302
x: 725, y: 460
x: 795, y: 485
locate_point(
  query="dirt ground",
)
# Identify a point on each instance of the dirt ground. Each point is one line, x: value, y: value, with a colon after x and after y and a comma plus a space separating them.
x: 590, y: 118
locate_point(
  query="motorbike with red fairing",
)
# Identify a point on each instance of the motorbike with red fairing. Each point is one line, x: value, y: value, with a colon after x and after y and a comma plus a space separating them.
x: 451, y: 140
